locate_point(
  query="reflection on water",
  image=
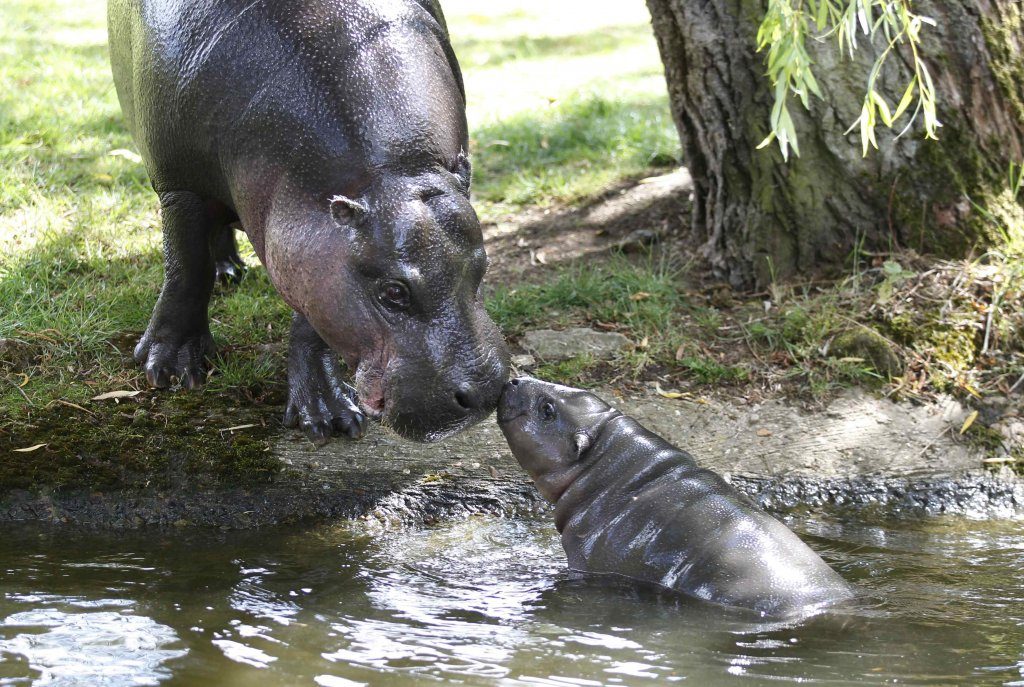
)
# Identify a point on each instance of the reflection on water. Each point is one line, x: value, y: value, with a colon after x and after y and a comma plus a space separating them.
x: 89, y: 647
x: 488, y: 601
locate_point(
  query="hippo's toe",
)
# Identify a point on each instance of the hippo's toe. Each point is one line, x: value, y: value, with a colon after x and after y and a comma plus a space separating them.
x: 324, y: 410
x: 167, y: 360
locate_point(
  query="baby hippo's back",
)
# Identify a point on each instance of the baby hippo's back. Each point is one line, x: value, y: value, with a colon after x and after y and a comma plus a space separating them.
x: 645, y: 510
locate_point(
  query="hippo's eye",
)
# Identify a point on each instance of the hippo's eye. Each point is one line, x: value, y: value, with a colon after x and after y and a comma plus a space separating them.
x: 547, y: 411
x: 394, y: 294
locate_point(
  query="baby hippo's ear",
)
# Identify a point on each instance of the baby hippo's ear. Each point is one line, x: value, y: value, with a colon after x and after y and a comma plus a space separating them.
x: 581, y: 440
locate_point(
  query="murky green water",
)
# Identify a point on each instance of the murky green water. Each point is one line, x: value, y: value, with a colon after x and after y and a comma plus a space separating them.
x: 487, y: 601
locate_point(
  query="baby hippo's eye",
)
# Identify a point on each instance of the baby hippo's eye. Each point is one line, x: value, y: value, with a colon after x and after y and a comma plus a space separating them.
x: 547, y: 411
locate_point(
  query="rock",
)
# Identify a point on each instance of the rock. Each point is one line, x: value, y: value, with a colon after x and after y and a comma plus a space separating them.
x: 551, y: 346
x: 525, y: 361
x: 637, y: 240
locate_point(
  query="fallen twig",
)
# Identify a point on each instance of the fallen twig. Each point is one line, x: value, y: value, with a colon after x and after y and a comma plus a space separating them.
x: 933, y: 441
x: 236, y: 428
x: 1015, y: 385
x: 73, y: 405
x: 22, y: 392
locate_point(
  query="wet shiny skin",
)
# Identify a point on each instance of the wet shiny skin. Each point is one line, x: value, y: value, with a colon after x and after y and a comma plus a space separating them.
x: 629, y: 503
x: 335, y: 132
x: 488, y: 601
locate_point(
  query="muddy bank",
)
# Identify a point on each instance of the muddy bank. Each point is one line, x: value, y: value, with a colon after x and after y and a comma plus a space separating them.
x: 858, y: 451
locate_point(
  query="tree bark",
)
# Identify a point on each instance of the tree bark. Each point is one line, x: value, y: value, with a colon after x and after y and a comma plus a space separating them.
x: 760, y: 218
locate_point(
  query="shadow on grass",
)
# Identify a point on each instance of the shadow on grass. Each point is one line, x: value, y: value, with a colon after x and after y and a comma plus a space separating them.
x: 483, y: 53
x: 72, y: 316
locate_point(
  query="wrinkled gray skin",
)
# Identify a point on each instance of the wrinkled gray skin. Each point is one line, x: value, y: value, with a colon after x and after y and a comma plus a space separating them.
x: 629, y: 503
x: 335, y: 132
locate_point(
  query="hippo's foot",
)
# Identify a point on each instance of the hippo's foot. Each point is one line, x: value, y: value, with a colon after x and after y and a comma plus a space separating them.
x: 230, y: 270
x: 319, y: 402
x: 170, y: 358
x: 228, y: 264
x: 321, y: 405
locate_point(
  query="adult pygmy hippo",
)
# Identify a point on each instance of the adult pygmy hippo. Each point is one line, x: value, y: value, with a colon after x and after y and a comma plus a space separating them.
x: 335, y: 132
x: 629, y: 503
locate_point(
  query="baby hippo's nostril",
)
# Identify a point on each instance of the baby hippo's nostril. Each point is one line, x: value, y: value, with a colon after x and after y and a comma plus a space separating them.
x: 466, y: 397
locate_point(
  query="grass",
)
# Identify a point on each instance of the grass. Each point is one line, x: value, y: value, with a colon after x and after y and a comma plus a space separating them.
x: 913, y: 330
x: 564, y: 99
x: 644, y: 298
x: 571, y: 150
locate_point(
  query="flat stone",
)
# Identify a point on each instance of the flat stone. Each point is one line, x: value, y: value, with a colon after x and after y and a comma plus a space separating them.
x: 552, y: 346
x: 525, y: 361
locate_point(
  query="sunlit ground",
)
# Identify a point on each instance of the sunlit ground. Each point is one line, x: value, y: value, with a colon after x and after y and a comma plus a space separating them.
x: 564, y: 98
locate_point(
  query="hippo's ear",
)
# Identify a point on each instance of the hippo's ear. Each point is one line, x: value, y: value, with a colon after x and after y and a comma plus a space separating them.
x: 463, y: 170
x: 345, y: 210
x: 581, y: 441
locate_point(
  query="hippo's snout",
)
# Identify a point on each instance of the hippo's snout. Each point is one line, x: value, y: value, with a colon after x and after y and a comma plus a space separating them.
x: 422, y: 407
x: 468, y: 397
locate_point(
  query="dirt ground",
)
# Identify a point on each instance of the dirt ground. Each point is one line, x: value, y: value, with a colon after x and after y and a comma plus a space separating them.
x: 631, y: 217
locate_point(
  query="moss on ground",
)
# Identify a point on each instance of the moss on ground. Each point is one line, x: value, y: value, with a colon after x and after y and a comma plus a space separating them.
x: 907, y: 325
x: 149, y: 441
x: 864, y: 344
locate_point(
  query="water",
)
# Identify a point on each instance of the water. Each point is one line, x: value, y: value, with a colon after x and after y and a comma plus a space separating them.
x: 488, y: 601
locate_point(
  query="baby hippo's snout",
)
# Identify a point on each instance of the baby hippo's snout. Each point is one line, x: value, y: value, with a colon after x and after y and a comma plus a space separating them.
x: 511, y: 402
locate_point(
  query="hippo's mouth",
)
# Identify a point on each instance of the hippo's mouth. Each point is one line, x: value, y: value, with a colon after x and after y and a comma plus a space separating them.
x: 370, y: 387
x: 506, y: 415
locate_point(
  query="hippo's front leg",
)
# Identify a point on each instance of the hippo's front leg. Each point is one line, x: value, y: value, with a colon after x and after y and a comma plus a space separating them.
x: 177, y: 341
x: 319, y: 402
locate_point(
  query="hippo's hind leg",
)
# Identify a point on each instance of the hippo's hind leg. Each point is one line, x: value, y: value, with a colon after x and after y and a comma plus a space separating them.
x: 177, y: 341
x: 227, y: 263
x: 319, y: 402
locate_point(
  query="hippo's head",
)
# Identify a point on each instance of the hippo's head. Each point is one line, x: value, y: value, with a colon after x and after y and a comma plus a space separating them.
x: 389, y: 273
x: 549, y: 429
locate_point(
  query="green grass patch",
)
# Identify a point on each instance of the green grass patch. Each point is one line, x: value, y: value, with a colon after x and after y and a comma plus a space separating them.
x: 564, y: 99
x: 645, y: 299
x: 573, y: 149
x: 489, y: 52
x: 640, y: 296
x: 709, y: 371
x: 577, y: 371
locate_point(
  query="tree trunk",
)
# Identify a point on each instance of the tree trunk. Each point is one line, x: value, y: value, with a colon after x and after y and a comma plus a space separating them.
x: 760, y: 218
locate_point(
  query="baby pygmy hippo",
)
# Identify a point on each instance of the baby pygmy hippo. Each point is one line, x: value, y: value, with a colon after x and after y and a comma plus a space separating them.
x: 629, y: 503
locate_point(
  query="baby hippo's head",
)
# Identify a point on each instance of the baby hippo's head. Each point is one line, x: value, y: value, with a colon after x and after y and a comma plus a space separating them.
x: 549, y: 428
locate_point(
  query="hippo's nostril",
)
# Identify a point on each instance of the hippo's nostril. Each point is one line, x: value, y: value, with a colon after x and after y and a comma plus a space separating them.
x: 465, y: 397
